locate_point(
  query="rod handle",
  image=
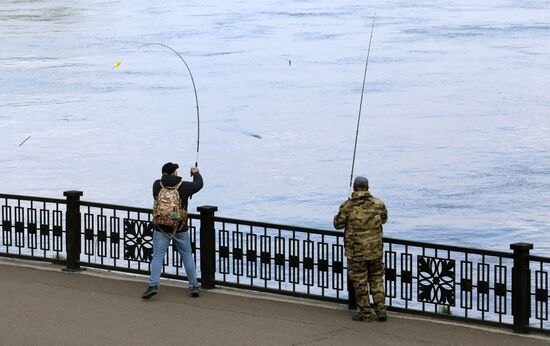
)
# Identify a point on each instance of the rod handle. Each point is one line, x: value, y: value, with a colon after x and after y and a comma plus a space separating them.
x: 191, y: 174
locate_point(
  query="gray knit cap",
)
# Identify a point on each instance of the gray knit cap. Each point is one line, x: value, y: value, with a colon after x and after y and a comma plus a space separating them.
x: 361, y: 182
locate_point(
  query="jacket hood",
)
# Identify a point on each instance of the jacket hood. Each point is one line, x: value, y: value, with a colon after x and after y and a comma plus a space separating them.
x: 360, y: 195
x: 169, y: 180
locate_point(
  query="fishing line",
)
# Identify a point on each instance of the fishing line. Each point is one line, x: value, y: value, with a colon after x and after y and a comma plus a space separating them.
x: 26, y: 139
x: 361, y: 103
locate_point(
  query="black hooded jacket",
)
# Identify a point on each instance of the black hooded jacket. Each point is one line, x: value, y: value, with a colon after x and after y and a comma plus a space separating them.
x: 186, y: 189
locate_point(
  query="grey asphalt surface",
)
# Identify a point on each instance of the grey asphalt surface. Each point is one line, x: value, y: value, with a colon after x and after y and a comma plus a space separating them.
x: 45, y: 306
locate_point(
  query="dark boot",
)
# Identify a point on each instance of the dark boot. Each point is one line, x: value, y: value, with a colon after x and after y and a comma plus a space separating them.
x: 382, y: 317
x: 361, y: 318
x: 195, y: 292
x: 151, y: 291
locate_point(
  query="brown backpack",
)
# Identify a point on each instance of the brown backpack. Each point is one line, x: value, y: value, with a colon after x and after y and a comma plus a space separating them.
x: 167, y: 209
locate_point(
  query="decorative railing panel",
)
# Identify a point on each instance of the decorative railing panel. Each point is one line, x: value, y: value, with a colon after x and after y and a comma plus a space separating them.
x: 33, y: 227
x: 452, y: 281
x: 121, y: 238
x: 539, y: 295
x: 283, y: 259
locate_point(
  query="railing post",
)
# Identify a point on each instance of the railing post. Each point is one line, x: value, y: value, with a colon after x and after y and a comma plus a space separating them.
x: 208, y: 246
x: 73, y: 228
x: 521, y: 287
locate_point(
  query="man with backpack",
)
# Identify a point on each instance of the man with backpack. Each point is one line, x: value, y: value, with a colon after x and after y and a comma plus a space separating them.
x: 171, y: 196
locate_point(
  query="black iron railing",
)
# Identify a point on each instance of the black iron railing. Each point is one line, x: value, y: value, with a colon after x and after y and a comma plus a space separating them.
x: 281, y: 259
x: 33, y: 227
x: 508, y: 289
x: 538, y: 296
x: 121, y: 238
x: 451, y: 281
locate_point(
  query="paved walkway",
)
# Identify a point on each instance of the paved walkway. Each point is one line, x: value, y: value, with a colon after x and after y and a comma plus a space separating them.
x: 44, y: 306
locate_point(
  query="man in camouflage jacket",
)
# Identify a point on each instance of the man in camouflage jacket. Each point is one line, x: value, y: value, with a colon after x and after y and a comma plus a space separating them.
x: 362, y: 217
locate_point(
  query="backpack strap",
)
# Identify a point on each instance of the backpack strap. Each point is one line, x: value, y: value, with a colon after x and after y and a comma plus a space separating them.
x: 171, y: 187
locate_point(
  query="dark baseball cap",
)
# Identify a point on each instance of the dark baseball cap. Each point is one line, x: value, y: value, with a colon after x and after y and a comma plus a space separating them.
x: 169, y: 167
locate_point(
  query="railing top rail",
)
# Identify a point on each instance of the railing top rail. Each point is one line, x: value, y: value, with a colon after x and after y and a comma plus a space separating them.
x: 449, y: 247
x: 33, y: 198
x: 387, y: 240
x: 278, y: 226
x: 124, y: 207
x: 539, y: 259
x: 115, y: 206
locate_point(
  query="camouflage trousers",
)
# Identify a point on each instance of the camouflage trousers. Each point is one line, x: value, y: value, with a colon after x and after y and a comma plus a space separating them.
x: 365, y: 274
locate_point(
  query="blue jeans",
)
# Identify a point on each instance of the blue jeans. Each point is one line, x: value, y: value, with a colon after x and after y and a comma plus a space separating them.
x: 183, y: 246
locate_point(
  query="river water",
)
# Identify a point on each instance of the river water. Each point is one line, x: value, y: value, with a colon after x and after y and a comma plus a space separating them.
x: 454, y: 135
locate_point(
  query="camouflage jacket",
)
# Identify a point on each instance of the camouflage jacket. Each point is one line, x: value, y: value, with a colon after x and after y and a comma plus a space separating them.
x: 362, y: 217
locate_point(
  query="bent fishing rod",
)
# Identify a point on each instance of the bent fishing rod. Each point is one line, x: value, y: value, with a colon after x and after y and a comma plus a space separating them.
x: 194, y: 89
x: 361, y: 103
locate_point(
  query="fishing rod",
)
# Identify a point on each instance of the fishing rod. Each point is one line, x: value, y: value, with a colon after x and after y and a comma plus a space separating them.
x: 361, y: 103
x: 194, y: 89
